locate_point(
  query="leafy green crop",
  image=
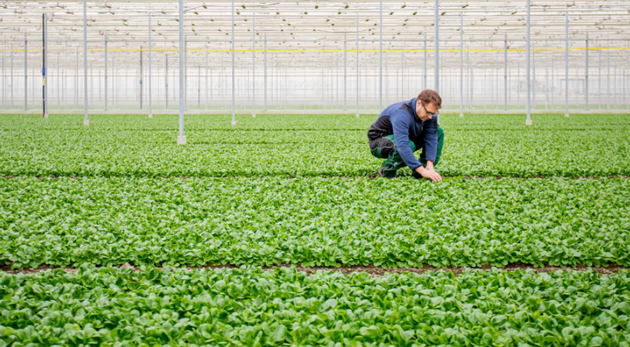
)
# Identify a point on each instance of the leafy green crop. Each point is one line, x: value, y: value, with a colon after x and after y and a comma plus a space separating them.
x: 283, y: 307
x: 305, y: 145
x: 317, y: 221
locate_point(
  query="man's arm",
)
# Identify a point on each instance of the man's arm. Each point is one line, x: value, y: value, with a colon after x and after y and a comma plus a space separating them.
x: 400, y: 122
x: 429, y: 133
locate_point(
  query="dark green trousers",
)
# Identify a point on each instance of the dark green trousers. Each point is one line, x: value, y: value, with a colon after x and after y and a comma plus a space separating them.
x: 385, y: 148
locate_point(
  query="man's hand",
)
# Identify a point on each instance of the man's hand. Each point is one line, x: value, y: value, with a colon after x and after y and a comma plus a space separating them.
x: 429, y: 173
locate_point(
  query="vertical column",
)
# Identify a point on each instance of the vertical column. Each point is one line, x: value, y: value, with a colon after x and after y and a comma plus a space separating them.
x: 380, y: 59
x: 58, y: 75
x: 4, y: 86
x: 45, y: 61
x: 528, y: 121
x: 461, y: 65
x: 505, y: 74
x: 586, y: 76
x: 76, y: 82
x: 207, y: 87
x: 599, y: 83
x: 181, y: 139
x: 113, y: 83
x: 552, y: 79
x: 185, y: 73
x: 566, y: 64
x: 141, y: 76
x: 437, y: 45
x: 105, y: 62
x: 254, y: 65
x: 345, y: 73
x: 518, y: 83
x: 265, y: 78
x: 425, y: 62
x: 358, y: 87
x: 149, y: 72
x: 233, y: 72
x: 25, y: 73
x: 11, y: 79
x: 607, y: 79
x: 166, y: 80
x: 86, y: 120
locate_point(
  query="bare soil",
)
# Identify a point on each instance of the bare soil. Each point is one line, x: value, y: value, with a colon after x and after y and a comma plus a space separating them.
x: 371, y: 269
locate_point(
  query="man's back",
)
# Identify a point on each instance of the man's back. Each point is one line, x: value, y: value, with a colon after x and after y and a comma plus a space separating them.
x: 403, y: 113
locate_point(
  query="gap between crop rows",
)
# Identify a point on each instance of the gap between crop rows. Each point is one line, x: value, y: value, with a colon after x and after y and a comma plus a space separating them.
x: 371, y: 269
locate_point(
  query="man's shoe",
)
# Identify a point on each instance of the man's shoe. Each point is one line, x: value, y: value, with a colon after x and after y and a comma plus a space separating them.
x: 381, y: 173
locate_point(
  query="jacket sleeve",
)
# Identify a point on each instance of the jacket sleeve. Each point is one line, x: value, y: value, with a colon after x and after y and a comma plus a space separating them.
x: 429, y: 134
x: 400, y: 122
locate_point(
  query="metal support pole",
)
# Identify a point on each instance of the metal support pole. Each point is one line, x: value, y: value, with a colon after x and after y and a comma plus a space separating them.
x: 505, y: 74
x: 166, y: 81
x: 425, y: 62
x: 86, y: 120
x: 12, y: 76
x: 114, y: 83
x: 45, y: 61
x: 566, y: 64
x: 552, y: 84
x: 599, y: 84
x: 4, y: 85
x: 254, y: 65
x: 76, y: 82
x: 105, y: 62
x: 358, y: 86
x: 518, y: 83
x: 437, y: 45
x: 207, y: 86
x: 141, y: 71
x: 58, y: 75
x: 233, y: 72
x: 265, y: 79
x: 149, y: 89
x: 185, y: 73
x: 528, y: 121
x: 586, y: 76
x: 345, y: 72
x: 25, y: 74
x: 181, y: 139
x: 461, y: 65
x: 380, y: 59
x: 607, y: 80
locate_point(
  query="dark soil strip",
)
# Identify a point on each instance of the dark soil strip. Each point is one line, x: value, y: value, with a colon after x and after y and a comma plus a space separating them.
x: 371, y: 269
x: 371, y: 176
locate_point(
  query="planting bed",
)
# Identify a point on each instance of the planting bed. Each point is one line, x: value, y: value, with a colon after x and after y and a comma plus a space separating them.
x: 283, y: 307
x: 301, y: 191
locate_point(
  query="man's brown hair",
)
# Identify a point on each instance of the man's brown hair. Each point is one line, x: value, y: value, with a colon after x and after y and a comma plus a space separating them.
x: 430, y: 96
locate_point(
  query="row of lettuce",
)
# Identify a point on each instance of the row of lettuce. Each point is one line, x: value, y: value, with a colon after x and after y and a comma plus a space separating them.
x: 299, y: 145
x: 313, y: 222
x: 282, y: 307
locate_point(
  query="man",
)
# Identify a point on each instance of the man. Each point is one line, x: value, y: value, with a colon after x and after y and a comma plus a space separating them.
x: 405, y: 127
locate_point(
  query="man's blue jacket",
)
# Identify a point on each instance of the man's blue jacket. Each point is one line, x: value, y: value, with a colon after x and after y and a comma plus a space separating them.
x: 402, y: 120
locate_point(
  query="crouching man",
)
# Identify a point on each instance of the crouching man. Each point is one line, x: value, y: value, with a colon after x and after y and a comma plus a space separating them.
x: 404, y: 128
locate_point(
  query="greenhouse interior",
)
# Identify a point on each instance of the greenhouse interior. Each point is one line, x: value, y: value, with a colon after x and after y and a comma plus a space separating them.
x: 315, y: 173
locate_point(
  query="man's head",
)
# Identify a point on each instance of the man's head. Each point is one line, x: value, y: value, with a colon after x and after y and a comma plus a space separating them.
x: 428, y: 103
